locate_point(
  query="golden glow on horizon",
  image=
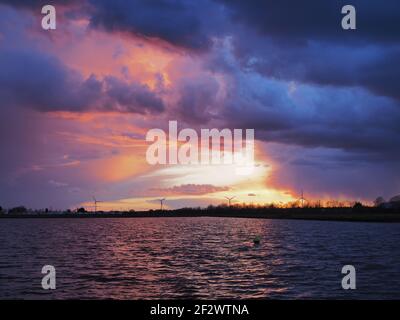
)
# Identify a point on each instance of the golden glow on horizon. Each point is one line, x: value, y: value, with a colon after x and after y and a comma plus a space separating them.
x: 247, y: 189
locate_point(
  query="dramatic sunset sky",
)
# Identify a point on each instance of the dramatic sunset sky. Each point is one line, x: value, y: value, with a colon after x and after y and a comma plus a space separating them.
x: 76, y: 102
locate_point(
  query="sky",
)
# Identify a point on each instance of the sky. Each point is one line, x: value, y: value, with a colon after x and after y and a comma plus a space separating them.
x: 76, y: 102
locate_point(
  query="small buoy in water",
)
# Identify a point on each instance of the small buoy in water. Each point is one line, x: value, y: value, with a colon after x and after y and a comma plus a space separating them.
x: 257, y: 240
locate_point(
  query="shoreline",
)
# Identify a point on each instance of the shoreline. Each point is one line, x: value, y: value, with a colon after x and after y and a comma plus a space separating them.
x: 331, y: 214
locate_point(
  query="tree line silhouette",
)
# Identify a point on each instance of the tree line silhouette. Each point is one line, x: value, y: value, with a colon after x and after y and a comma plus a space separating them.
x: 310, y: 206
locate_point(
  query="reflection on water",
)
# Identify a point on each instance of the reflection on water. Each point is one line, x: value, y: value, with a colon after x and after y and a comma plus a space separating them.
x: 205, y: 258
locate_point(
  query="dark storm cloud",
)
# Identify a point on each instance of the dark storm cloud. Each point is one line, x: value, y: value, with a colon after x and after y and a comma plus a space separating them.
x: 36, y: 4
x: 35, y: 80
x: 361, y: 124
x: 383, y: 76
x: 32, y: 78
x: 192, y: 24
x: 295, y: 113
x: 136, y: 98
x: 290, y: 40
x: 372, y: 67
x: 198, y: 98
x: 379, y: 73
x: 188, y: 24
x: 316, y: 19
x: 304, y: 41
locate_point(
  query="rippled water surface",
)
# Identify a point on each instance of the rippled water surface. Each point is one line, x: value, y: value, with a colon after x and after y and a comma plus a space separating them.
x: 207, y: 258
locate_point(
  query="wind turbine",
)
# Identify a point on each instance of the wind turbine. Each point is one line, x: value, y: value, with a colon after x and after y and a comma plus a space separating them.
x: 95, y: 203
x: 229, y: 200
x: 302, y: 199
x: 161, y: 202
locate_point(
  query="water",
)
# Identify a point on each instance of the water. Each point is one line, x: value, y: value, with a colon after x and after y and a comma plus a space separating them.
x: 204, y: 258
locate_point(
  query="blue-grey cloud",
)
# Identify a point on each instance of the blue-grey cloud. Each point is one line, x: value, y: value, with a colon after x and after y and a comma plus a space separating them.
x: 189, y: 24
x: 36, y: 4
x: 297, y: 113
x: 36, y: 80
x: 318, y: 20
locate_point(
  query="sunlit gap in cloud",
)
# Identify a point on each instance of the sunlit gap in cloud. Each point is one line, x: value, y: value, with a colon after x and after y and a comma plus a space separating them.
x: 201, y: 185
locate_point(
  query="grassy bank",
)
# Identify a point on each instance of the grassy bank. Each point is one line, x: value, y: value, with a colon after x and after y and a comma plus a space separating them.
x: 365, y: 214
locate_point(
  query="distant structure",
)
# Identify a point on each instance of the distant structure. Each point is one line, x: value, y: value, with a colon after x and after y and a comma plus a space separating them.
x: 81, y: 210
x: 395, y: 199
x: 229, y: 200
x: 379, y: 201
x: 302, y: 199
x: 161, y: 203
x: 95, y: 203
x: 394, y: 202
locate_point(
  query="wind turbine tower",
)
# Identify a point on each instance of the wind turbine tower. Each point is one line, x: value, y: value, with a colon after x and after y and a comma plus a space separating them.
x: 161, y: 203
x: 302, y: 199
x: 95, y: 201
x: 229, y: 200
